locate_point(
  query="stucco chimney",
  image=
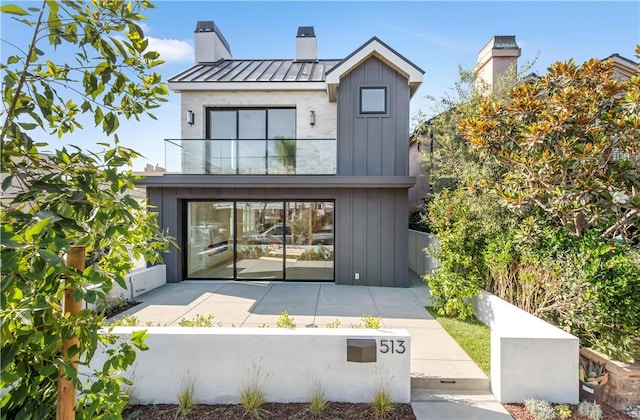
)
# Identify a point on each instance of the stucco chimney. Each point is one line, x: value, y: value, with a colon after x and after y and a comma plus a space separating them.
x: 306, y: 45
x: 500, y: 53
x: 210, y: 44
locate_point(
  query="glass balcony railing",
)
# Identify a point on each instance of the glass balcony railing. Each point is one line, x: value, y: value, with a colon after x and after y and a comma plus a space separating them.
x: 251, y: 156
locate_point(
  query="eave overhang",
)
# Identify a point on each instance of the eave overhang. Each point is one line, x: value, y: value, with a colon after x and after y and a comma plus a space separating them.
x: 276, y: 181
x: 246, y: 86
x: 374, y: 48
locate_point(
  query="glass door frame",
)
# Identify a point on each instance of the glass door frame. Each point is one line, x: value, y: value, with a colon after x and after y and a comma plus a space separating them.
x: 285, y: 222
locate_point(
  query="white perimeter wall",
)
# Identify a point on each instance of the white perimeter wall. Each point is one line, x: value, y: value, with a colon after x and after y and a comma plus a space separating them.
x: 530, y: 358
x: 287, y: 363
x: 138, y: 281
x: 419, y: 262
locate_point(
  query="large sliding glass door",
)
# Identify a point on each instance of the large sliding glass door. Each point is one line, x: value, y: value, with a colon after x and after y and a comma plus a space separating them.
x: 258, y: 239
x: 210, y: 232
x: 251, y: 240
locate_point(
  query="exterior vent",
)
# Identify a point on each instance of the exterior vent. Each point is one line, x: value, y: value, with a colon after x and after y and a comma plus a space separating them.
x: 306, y: 44
x: 210, y: 44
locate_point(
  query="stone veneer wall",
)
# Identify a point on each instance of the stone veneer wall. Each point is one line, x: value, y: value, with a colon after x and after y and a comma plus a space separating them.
x: 623, y: 388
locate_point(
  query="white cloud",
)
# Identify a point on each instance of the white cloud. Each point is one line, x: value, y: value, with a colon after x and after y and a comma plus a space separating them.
x: 145, y: 28
x: 171, y: 50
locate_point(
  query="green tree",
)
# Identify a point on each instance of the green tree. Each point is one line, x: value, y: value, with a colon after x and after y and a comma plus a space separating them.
x: 70, y: 197
x: 568, y: 144
x: 462, y: 211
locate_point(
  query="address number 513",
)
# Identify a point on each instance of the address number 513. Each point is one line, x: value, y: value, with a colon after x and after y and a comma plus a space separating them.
x: 392, y: 346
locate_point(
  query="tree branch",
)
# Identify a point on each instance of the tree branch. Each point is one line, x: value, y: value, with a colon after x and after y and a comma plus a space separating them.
x: 23, y: 76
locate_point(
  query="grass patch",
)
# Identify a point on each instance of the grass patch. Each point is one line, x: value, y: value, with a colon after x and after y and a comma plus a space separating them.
x: 472, y: 335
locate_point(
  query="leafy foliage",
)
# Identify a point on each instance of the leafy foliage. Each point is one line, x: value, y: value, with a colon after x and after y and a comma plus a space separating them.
x: 544, y: 211
x: 568, y: 144
x: 70, y: 197
x: 563, y: 411
x: 540, y: 409
x: 464, y: 221
x: 590, y: 410
x: 197, y: 321
x: 285, y: 321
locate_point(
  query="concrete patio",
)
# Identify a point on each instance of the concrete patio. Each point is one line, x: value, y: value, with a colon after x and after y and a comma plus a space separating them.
x: 437, y: 362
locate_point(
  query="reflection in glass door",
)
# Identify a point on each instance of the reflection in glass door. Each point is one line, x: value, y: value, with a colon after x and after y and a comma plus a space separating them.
x: 253, y: 240
x: 260, y: 250
x: 310, y: 248
x: 210, y: 240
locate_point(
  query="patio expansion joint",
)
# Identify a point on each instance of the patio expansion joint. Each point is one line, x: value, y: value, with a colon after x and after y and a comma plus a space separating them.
x: 375, y: 304
x: 315, y: 310
x: 257, y: 303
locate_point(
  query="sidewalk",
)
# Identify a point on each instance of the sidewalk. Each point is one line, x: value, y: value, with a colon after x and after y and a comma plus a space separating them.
x: 437, y: 362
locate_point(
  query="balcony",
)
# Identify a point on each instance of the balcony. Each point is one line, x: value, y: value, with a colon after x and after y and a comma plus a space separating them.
x: 251, y: 156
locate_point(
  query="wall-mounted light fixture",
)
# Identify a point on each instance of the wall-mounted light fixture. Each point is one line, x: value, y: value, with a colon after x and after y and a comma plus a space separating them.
x: 191, y: 117
x: 312, y: 118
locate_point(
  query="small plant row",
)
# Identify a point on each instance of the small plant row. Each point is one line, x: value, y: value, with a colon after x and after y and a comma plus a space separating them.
x: 252, y: 399
x: 284, y: 321
x: 543, y: 410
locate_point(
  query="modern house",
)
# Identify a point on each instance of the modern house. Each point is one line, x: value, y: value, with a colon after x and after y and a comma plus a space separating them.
x: 289, y: 169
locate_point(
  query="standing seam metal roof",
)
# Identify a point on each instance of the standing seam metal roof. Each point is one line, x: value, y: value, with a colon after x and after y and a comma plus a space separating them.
x: 250, y: 70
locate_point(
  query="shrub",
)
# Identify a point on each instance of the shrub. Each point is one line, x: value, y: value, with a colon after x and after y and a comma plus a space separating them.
x: 197, y: 321
x: 586, y: 285
x: 464, y: 220
x: 125, y: 321
x: 419, y: 220
x: 563, y: 411
x: 368, y: 321
x: 609, y: 318
x: 382, y: 404
x: 334, y: 324
x: 252, y: 399
x: 285, y: 321
x: 540, y: 410
x: 251, y: 396
x: 186, y: 396
x: 590, y: 410
x: 318, y: 401
x: 319, y: 253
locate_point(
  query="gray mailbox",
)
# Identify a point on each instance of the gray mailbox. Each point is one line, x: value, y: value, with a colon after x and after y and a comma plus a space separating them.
x: 361, y: 350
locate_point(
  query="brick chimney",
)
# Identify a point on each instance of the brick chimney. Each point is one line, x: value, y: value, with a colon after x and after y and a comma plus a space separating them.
x: 306, y: 45
x: 500, y: 53
x: 210, y: 44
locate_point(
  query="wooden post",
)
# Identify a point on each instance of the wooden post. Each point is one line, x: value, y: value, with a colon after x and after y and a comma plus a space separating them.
x: 66, y: 408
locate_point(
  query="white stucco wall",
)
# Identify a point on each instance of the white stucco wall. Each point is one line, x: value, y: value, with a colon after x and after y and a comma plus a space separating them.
x: 288, y: 363
x: 530, y: 358
x: 419, y: 262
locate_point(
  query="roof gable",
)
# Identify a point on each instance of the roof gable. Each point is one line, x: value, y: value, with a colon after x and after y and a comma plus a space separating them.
x: 374, y: 48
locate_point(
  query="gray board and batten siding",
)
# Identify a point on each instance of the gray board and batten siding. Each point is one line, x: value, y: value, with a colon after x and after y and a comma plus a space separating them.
x: 370, y: 227
x: 373, y: 144
x: 373, y: 238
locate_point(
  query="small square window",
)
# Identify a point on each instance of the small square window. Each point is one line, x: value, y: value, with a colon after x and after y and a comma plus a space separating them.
x: 373, y: 100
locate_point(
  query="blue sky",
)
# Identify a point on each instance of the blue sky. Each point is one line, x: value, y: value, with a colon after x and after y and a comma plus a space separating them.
x: 436, y: 36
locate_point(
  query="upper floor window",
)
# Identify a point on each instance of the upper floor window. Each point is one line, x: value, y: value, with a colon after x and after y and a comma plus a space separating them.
x: 251, y: 123
x: 251, y: 141
x: 373, y: 100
